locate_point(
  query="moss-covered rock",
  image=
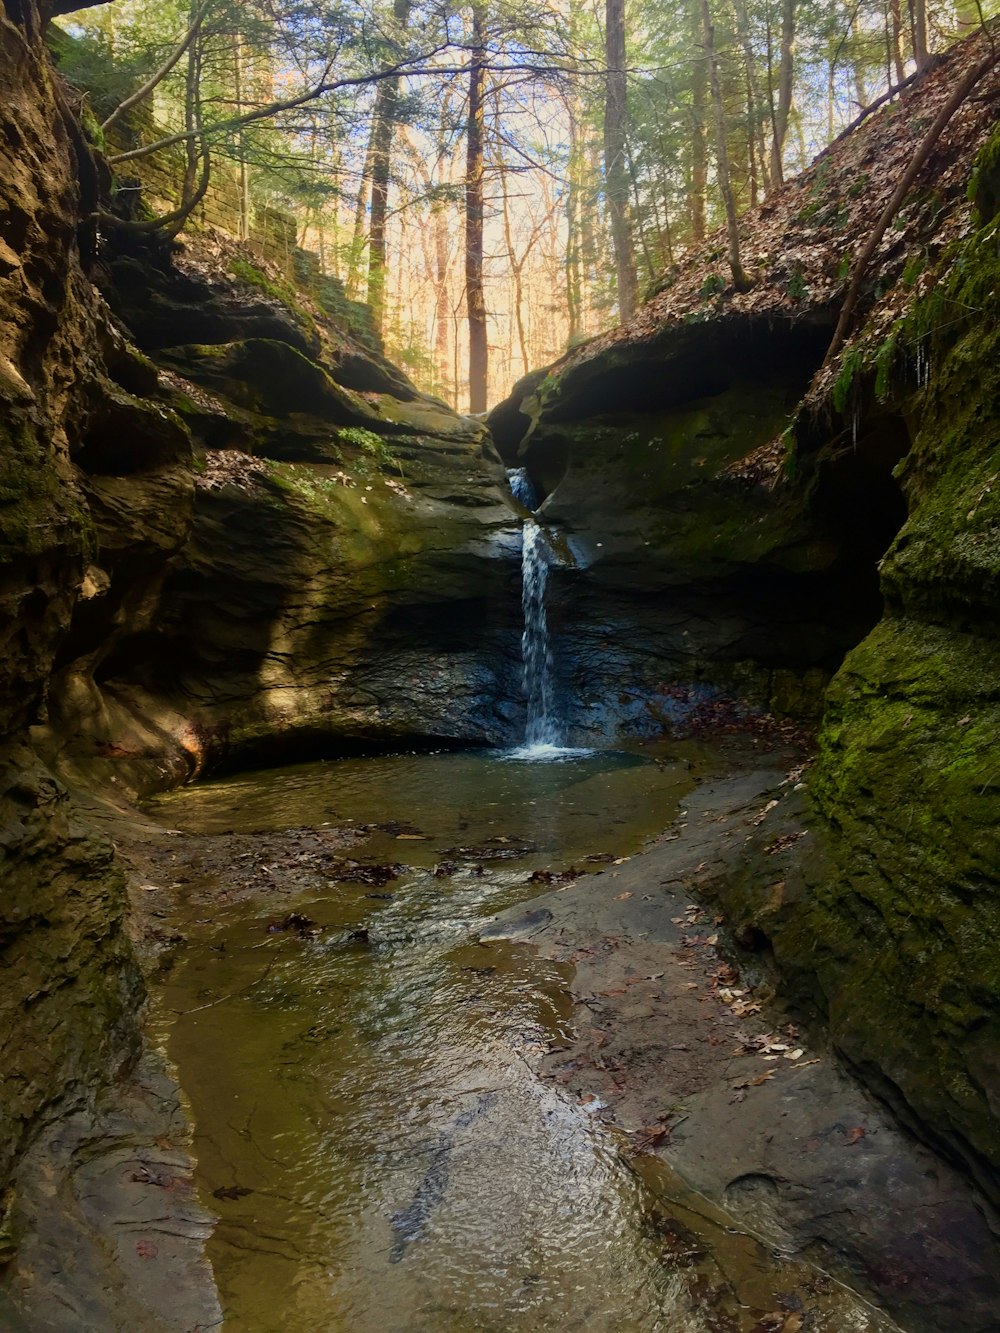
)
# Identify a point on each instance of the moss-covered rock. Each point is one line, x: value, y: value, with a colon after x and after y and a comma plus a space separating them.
x: 907, y: 786
x: 886, y: 915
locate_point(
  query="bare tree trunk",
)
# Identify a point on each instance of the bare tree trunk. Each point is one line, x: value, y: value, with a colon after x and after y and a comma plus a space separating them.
x: 699, y: 139
x: 919, y: 14
x: 740, y: 280
x: 860, y: 91
x: 616, y: 181
x: 574, y: 304
x: 896, y: 24
x: 475, y: 296
x: 383, y: 125
x: 441, y: 310
x: 244, y: 183
x: 353, y: 283
x: 755, y: 103
x: 516, y: 267
x: 784, y: 104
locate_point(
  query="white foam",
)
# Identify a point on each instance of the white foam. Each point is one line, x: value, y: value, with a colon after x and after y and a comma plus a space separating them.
x: 544, y: 752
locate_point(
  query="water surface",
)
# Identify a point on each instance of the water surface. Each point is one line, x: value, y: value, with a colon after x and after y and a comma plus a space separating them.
x: 369, y: 1125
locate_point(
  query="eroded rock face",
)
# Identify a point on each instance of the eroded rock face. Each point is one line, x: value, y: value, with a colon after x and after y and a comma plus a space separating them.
x: 70, y: 988
x: 907, y: 784
x: 343, y: 566
x: 693, y: 560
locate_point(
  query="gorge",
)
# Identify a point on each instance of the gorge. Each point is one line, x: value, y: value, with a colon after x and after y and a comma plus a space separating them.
x: 234, y: 538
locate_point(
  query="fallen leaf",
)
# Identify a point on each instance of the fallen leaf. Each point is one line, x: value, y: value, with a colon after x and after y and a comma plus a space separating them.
x: 620, y: 897
x: 795, y: 1055
x: 762, y: 1078
x: 856, y: 1135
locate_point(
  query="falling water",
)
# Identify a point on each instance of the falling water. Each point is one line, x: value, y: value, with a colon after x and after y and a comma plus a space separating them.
x: 543, y: 733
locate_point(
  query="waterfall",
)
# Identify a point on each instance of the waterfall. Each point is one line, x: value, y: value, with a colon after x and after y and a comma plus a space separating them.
x: 543, y: 732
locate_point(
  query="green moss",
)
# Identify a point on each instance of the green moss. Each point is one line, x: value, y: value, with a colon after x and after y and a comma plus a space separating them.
x: 240, y: 267
x: 37, y: 509
x: 907, y: 785
x: 984, y: 183
x: 91, y: 127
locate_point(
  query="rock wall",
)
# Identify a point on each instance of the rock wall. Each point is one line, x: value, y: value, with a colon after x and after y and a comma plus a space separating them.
x: 71, y: 990
x: 745, y: 514
x: 688, y: 566
x: 341, y: 566
x: 906, y: 787
x: 227, y: 531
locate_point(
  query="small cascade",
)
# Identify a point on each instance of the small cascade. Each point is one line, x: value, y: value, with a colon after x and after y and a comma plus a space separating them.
x: 544, y: 733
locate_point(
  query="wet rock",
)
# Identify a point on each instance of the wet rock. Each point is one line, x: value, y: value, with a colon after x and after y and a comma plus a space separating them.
x: 517, y: 927
x: 353, y: 872
x: 113, y: 1234
x: 501, y: 850
x: 300, y: 925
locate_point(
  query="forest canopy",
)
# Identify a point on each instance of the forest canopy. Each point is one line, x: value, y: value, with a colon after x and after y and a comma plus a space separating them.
x: 497, y: 182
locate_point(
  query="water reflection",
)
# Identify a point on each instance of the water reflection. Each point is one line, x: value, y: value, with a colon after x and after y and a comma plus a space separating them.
x: 369, y: 1126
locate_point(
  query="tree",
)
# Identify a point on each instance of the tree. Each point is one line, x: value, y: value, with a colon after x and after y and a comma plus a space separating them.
x: 475, y: 295
x: 616, y: 178
x: 383, y: 127
x: 740, y: 280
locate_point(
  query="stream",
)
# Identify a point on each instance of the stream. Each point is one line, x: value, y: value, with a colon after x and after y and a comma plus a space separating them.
x: 360, y: 1067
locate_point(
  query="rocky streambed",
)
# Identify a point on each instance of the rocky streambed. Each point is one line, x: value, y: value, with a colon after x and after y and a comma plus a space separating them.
x: 476, y: 1049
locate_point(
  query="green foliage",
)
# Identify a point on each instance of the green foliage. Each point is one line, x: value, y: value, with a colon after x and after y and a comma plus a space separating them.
x: 912, y: 270
x: 852, y: 365
x: 885, y: 361
x: 713, y: 285
x: 964, y: 294
x: 372, y: 445
x: 797, y: 287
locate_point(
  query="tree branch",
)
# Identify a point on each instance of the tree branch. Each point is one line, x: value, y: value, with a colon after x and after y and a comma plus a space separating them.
x: 415, y: 67
x: 142, y: 93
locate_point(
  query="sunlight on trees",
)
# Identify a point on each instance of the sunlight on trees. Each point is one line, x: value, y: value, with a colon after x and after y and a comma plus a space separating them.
x: 496, y: 181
